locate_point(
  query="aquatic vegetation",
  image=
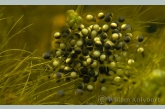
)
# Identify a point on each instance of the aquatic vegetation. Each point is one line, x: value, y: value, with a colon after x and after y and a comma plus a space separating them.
x: 104, y: 57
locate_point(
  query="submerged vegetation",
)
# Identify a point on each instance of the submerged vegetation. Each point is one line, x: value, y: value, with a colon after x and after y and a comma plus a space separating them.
x: 102, y: 55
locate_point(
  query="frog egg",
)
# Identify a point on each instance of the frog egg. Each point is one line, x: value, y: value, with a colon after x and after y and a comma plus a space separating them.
x: 95, y: 27
x: 86, y: 79
x: 91, y: 26
x: 118, y: 46
x: 85, y: 52
x: 96, y: 73
x: 131, y: 61
x: 83, y: 70
x: 99, y: 30
x: 72, y: 42
x: 124, y: 53
x: 123, y: 26
x: 105, y: 27
x: 57, y: 44
x: 127, y: 39
x: 79, y: 92
x: 80, y: 27
x: 77, y: 63
x: 58, y: 75
x: 80, y: 85
x: 56, y: 63
x: 110, y: 14
x: 113, y: 25
x: 89, y: 61
x: 121, y: 19
x: 103, y: 57
x: 118, y: 58
x: 84, y: 63
x: 109, y: 45
x: 111, y: 57
x: 96, y: 39
x: 64, y: 35
x: 57, y: 35
x: 98, y: 43
x: 129, y: 34
x: 67, y: 68
x: 81, y: 35
x: 101, y: 15
x: 111, y: 73
x: 140, y: 50
x: 73, y: 74
x: 60, y: 93
x: 84, y: 31
x: 90, y: 87
x: 62, y: 45
x: 117, y: 79
x: 46, y: 56
x: 103, y: 36
x: 120, y: 35
x: 64, y: 53
x: 77, y: 35
x: 89, y: 42
x: 103, y: 89
x: 140, y: 38
x: 79, y: 43
x: 115, y: 36
x: 73, y: 55
x: 96, y: 53
x: 89, y: 17
x: 113, y: 64
x: 77, y: 50
x: 58, y: 53
x: 120, y: 72
x: 66, y: 30
x: 115, y: 31
x: 94, y: 33
x: 126, y: 27
x: 107, y: 18
x: 90, y: 48
x: 91, y: 73
x: 94, y: 64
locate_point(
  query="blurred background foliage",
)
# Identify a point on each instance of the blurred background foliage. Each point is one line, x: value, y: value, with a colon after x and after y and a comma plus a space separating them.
x: 45, y: 19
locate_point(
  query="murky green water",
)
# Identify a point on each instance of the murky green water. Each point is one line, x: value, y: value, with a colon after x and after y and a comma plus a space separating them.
x: 25, y: 80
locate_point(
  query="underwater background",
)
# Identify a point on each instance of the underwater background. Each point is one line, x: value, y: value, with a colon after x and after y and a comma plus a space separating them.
x: 28, y: 55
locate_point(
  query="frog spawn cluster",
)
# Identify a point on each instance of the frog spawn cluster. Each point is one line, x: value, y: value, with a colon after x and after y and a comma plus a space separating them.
x: 94, y: 53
